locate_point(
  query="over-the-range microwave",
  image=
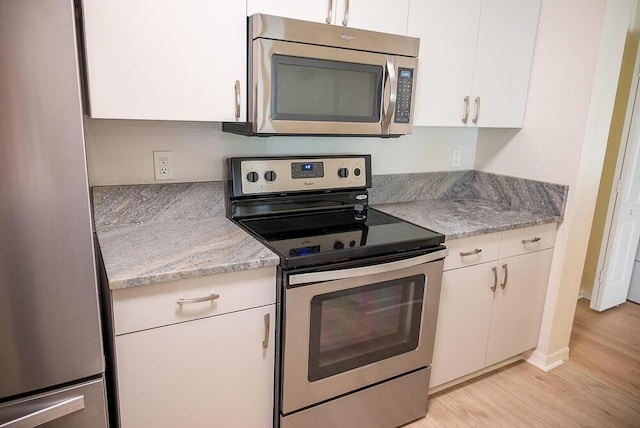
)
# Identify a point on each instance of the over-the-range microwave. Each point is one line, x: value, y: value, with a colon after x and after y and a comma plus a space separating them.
x: 307, y: 78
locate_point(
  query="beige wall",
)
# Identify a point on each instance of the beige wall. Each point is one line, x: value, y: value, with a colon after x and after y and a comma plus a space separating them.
x: 571, y: 96
x: 611, y: 158
x: 121, y: 151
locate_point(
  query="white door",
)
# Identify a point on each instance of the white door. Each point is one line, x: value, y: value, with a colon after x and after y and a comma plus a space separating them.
x: 212, y: 372
x: 374, y: 15
x: 518, y: 305
x: 447, y: 32
x: 504, y: 54
x: 621, y: 242
x: 314, y: 10
x: 167, y: 60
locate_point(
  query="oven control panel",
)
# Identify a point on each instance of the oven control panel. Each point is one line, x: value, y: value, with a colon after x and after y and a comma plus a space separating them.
x: 318, y: 244
x: 272, y: 175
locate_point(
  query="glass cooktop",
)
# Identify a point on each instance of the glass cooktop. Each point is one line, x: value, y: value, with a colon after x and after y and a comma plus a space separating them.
x: 305, y: 239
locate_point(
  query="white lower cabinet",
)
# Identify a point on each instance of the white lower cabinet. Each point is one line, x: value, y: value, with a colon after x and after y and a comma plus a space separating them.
x: 492, y: 299
x: 206, y: 369
x: 517, y: 308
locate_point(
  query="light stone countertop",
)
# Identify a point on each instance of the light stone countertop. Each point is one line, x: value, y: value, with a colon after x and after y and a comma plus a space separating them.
x: 156, y: 233
x: 164, y: 232
x: 141, y: 254
x: 460, y: 218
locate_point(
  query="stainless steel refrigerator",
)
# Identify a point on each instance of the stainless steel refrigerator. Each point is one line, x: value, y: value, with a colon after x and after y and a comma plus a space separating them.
x: 51, y: 357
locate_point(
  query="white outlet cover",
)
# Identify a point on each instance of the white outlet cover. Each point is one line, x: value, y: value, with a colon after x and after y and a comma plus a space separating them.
x: 163, y: 165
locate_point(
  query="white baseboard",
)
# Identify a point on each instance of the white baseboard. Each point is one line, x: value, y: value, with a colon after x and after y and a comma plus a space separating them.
x: 547, y: 362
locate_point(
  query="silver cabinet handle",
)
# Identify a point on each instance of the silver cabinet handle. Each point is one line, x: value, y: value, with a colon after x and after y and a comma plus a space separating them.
x: 495, y: 278
x: 47, y: 414
x: 471, y: 253
x: 393, y: 94
x: 346, y: 13
x: 476, y: 111
x: 465, y: 111
x: 236, y: 87
x: 531, y: 241
x: 208, y: 298
x: 267, y: 322
x: 330, y: 12
x: 505, y: 267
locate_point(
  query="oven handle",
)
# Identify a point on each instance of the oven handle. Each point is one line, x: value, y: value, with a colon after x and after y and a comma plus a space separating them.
x: 305, y: 278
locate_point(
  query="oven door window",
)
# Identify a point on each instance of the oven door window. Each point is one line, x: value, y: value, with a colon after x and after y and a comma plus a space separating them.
x: 355, y: 327
x: 307, y: 89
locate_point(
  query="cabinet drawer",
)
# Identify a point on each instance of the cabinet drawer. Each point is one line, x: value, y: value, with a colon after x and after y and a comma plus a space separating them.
x: 145, y: 307
x: 527, y: 240
x: 471, y: 251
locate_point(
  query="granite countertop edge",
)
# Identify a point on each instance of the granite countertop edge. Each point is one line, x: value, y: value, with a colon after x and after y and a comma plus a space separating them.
x: 117, y: 284
x: 501, y: 228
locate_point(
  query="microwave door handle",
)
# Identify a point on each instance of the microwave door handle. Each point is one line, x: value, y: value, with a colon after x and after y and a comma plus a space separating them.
x: 387, y: 112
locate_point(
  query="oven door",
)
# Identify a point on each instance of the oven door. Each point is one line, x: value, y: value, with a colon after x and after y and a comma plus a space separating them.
x: 348, y: 329
x: 307, y: 89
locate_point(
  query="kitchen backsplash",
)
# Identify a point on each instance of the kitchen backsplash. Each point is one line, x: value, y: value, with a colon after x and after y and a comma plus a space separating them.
x: 517, y: 192
x: 119, y: 205
x: 121, y: 151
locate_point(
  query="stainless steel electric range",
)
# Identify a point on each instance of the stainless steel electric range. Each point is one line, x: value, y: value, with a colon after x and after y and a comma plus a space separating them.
x: 358, y: 291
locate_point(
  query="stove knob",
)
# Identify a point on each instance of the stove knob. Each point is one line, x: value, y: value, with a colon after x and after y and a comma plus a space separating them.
x: 357, y: 172
x: 343, y: 172
x: 252, y: 176
x: 338, y: 245
x: 270, y: 175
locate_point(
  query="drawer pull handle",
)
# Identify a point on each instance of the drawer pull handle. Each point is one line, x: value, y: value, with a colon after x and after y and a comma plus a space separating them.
x: 495, y: 278
x: 208, y: 298
x: 465, y: 110
x: 329, y: 13
x: 506, y: 276
x: 267, y: 322
x: 236, y: 88
x: 53, y: 413
x: 531, y: 241
x: 476, y: 111
x: 471, y: 253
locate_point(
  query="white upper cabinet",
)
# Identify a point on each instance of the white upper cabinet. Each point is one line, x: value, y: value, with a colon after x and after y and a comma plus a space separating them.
x: 374, y: 15
x: 169, y: 60
x: 504, y: 54
x: 448, y: 31
x: 475, y: 61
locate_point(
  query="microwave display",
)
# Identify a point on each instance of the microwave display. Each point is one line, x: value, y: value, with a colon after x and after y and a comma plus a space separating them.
x: 403, y: 102
x: 322, y: 90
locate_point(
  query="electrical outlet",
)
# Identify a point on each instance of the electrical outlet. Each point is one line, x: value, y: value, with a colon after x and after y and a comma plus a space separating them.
x: 455, y: 157
x: 163, y: 165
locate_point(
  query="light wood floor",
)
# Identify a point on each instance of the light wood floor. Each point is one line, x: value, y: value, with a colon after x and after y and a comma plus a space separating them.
x: 598, y: 387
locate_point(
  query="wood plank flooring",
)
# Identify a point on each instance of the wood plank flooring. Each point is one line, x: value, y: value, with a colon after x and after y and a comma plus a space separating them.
x: 598, y: 387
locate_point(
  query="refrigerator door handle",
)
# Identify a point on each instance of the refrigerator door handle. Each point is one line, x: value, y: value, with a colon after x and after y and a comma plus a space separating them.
x: 47, y: 414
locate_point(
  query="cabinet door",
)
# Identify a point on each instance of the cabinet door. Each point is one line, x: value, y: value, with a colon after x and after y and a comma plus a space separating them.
x: 447, y: 32
x: 463, y: 323
x: 374, y: 15
x: 208, y: 372
x: 310, y: 10
x: 518, y: 307
x: 504, y: 54
x: 169, y: 60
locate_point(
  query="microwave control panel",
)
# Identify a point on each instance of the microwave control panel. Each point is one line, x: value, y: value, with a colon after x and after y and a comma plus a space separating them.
x: 403, y: 101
